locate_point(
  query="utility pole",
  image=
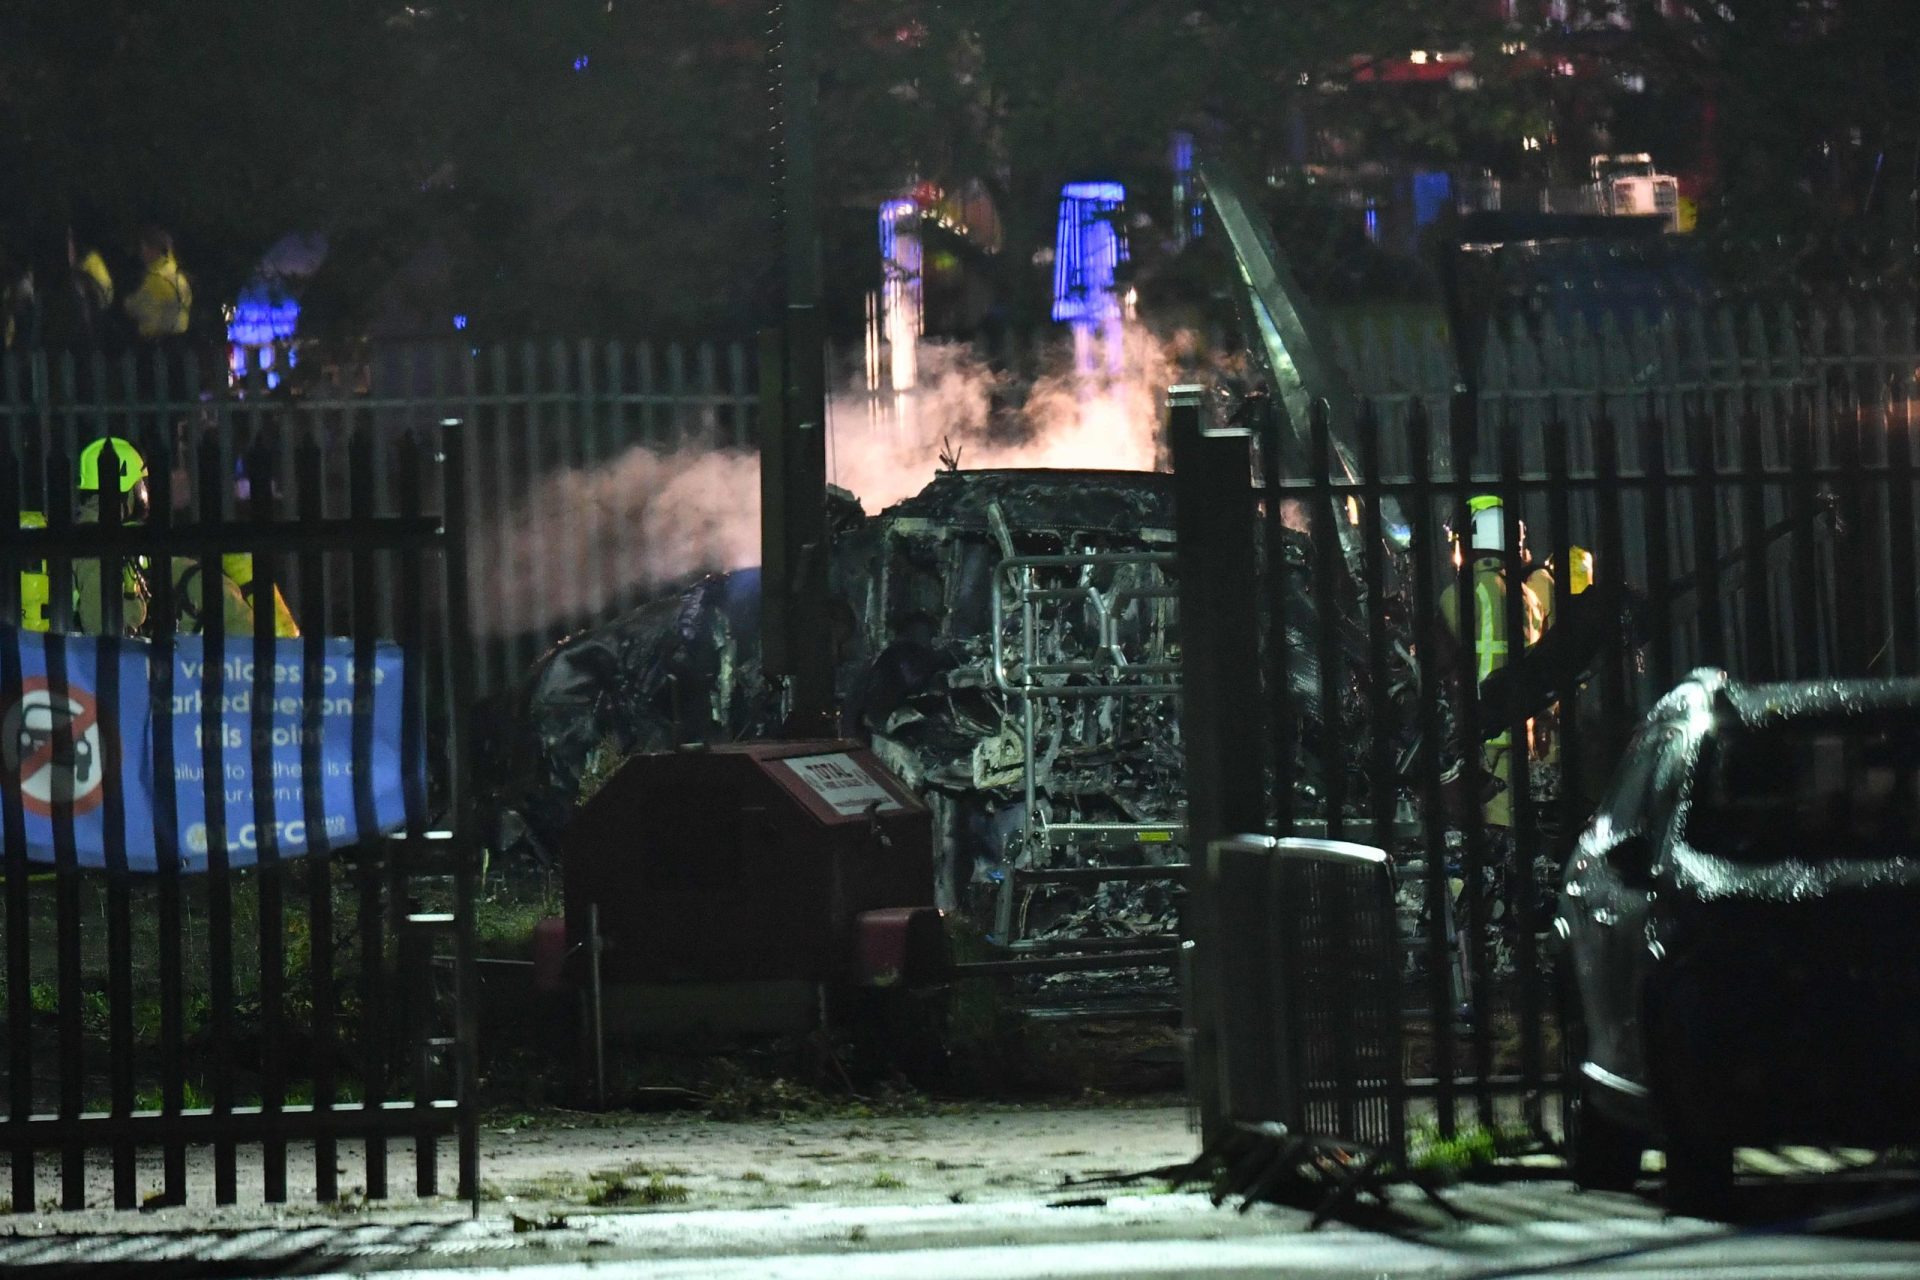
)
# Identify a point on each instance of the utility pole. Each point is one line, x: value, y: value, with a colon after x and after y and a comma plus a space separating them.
x: 794, y: 547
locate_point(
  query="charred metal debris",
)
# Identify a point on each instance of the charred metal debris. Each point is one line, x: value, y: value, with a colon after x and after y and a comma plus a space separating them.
x: 915, y: 615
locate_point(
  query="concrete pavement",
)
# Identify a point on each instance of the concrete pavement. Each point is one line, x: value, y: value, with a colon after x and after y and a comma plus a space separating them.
x: 1527, y: 1229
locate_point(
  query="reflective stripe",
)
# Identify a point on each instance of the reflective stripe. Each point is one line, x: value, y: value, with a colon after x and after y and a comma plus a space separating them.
x: 1490, y: 645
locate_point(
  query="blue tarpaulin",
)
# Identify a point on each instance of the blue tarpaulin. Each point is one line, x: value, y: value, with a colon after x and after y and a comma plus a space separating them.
x: 70, y: 746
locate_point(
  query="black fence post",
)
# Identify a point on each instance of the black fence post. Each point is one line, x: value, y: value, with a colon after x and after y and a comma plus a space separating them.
x: 370, y: 852
x: 1804, y: 561
x: 262, y: 463
x: 1615, y: 711
x: 13, y: 824
x: 1760, y: 664
x: 1474, y: 862
x: 465, y: 852
x: 1900, y: 530
x: 1220, y: 712
x: 309, y: 479
x: 1653, y: 459
x: 1283, y: 726
x: 162, y: 661
x: 1428, y: 555
x: 214, y: 486
x: 1706, y: 536
x: 66, y: 862
x: 1524, y: 862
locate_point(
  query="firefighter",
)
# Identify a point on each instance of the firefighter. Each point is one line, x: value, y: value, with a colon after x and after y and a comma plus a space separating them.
x: 1481, y: 537
x: 162, y: 304
x: 1546, y: 735
x: 239, y: 594
x: 238, y: 566
x: 1579, y: 578
x: 125, y: 484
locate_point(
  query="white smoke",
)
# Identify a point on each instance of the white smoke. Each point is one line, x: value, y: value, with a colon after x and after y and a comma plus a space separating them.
x: 887, y: 448
x: 585, y: 540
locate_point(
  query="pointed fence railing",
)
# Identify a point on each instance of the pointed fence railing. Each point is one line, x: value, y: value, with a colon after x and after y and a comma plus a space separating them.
x: 568, y: 446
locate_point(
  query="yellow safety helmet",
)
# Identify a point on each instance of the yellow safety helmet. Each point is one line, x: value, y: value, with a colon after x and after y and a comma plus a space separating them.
x: 1482, y: 526
x: 133, y: 467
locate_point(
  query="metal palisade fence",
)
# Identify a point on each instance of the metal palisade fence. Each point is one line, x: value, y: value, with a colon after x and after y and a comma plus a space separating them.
x: 1742, y: 486
x: 239, y: 868
x: 565, y: 443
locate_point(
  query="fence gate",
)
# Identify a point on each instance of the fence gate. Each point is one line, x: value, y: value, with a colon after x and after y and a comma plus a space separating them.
x: 239, y: 869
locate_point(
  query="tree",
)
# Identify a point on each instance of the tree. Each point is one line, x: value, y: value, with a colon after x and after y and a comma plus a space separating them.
x: 1815, y: 108
x: 1025, y: 96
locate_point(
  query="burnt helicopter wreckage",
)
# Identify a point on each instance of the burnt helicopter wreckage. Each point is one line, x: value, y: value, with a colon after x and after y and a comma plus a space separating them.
x: 1006, y: 641
x: 951, y: 611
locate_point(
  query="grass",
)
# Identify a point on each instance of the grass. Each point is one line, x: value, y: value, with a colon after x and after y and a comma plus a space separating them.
x: 193, y: 1097
x: 613, y: 1190
x: 601, y: 764
x: 1468, y: 1151
x: 887, y: 1181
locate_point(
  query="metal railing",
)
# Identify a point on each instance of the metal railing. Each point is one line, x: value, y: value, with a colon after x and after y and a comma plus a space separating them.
x: 239, y: 864
x: 564, y: 444
x: 1747, y: 493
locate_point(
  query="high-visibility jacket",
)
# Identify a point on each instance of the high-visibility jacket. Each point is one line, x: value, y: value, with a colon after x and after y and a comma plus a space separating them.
x: 1491, y: 651
x: 237, y: 597
x: 94, y: 268
x: 89, y: 613
x: 238, y: 568
x: 36, y: 588
x: 162, y: 304
x: 89, y: 610
x: 1540, y: 583
x: 1490, y: 643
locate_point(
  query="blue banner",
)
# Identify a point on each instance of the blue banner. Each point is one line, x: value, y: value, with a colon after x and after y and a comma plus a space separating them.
x: 71, y: 747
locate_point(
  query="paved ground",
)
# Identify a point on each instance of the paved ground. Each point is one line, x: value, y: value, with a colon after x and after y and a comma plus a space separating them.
x: 576, y: 1160
x: 930, y: 1197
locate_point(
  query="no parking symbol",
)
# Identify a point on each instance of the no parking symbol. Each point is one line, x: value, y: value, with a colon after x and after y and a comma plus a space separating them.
x: 56, y: 747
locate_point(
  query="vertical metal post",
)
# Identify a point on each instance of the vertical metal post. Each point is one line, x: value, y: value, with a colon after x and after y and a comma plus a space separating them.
x: 372, y: 854
x: 1803, y: 558
x: 1476, y: 961
x: 311, y: 506
x: 214, y: 477
x: 1525, y: 855
x: 461, y: 694
x: 793, y: 439
x: 598, y: 1010
x: 1220, y: 712
x: 1856, y: 564
x: 161, y: 667
x: 1284, y: 728
x: 269, y: 872
x: 1653, y: 459
x: 1325, y: 523
x: 1906, y: 636
x: 1616, y: 713
x: 1706, y: 537
x: 1427, y: 557
x: 1383, y: 727
x: 13, y: 826
x: 1760, y: 664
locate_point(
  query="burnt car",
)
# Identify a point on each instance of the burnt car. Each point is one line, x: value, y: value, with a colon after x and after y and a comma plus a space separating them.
x: 1739, y: 959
